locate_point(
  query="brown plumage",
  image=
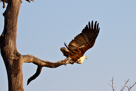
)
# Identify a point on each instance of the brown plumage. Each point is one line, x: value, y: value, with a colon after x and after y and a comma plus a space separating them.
x: 82, y: 42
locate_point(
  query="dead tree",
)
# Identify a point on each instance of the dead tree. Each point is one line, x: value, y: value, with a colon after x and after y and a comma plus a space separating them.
x: 12, y: 58
x: 123, y: 87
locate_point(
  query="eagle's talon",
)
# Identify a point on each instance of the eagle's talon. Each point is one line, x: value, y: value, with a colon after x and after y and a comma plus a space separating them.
x: 81, y: 43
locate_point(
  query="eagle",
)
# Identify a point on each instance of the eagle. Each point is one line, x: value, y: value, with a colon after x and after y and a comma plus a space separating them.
x: 81, y: 43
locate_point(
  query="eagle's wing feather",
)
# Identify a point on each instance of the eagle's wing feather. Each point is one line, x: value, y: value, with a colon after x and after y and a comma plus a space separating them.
x: 85, y: 39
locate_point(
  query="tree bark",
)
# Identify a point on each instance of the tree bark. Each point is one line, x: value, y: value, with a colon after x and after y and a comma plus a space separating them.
x: 12, y: 58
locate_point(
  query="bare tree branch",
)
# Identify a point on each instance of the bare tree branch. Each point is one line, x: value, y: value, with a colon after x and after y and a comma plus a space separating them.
x: 6, y: 1
x: 39, y: 62
x: 113, y: 89
x: 38, y: 71
x: 42, y: 63
x: 3, y: 3
x: 125, y: 85
x: 130, y: 87
x: 29, y: 0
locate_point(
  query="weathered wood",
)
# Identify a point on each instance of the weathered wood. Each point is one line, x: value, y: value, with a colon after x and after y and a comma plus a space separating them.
x: 42, y: 63
x: 12, y: 58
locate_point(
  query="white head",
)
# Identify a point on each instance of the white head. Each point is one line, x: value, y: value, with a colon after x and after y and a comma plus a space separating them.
x: 81, y: 60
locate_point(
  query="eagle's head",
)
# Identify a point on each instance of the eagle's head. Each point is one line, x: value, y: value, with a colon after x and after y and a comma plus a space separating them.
x: 81, y: 60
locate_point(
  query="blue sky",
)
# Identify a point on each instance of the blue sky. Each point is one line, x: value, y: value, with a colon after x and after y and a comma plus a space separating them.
x: 44, y: 26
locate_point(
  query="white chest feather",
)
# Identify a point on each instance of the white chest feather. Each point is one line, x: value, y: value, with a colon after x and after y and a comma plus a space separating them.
x: 81, y: 60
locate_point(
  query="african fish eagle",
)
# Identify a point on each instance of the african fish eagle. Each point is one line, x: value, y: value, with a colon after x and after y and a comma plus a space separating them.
x: 81, y: 43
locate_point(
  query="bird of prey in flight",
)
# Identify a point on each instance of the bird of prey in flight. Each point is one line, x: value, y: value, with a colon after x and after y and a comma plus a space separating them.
x: 81, y: 43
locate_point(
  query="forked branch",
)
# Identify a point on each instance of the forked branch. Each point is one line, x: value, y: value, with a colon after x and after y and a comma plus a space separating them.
x: 113, y: 88
x: 130, y: 87
x: 125, y: 86
x: 41, y: 63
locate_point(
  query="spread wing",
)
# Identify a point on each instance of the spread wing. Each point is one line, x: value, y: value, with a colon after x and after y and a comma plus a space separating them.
x: 86, y: 39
